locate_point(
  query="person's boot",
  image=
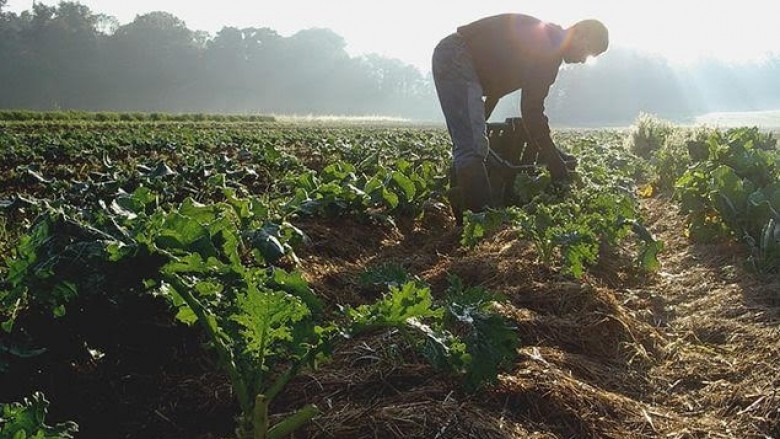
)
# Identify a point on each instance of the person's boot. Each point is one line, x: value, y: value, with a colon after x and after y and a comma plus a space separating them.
x: 455, y: 196
x: 474, y: 185
x: 569, y: 159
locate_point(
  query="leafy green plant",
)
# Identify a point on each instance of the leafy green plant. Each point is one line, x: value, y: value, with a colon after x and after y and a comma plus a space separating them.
x: 681, y: 148
x: 571, y: 222
x: 733, y: 189
x: 768, y: 249
x: 491, y: 342
x: 263, y: 343
x: 477, y: 226
x: 57, y: 259
x: 647, y: 135
x: 461, y: 333
x: 385, y: 275
x: 340, y: 189
x: 265, y: 324
x: 19, y: 115
x: 258, y: 319
x: 27, y: 420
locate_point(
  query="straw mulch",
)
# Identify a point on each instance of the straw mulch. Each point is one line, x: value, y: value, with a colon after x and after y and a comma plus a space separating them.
x: 689, y: 352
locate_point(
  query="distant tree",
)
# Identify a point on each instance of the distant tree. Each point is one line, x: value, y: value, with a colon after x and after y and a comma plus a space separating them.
x: 9, y: 41
x: 155, y: 59
x: 241, y: 68
x: 309, y: 64
x: 398, y: 86
x: 52, y: 51
x: 72, y: 48
x: 225, y: 69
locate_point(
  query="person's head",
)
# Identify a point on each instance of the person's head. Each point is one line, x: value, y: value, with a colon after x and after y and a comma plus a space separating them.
x: 583, y: 39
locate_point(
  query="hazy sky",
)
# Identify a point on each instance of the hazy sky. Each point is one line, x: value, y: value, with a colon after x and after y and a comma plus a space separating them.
x: 409, y: 29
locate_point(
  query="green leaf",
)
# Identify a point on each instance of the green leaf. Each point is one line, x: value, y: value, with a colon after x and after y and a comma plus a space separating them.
x: 65, y: 291
x: 577, y: 255
x: 390, y: 197
x: 186, y: 315
x: 203, y: 214
x: 117, y: 209
x: 194, y: 263
x: 137, y: 201
x: 648, y: 255
x: 27, y: 420
x: 8, y: 325
x: 410, y: 301
x: 269, y: 246
x: 390, y: 274
x: 293, y: 283
x: 268, y: 319
x: 649, y: 248
x: 442, y: 349
x: 406, y: 185
x: 491, y: 341
x: 59, y: 311
x: 732, y: 190
x: 478, y: 225
x: 118, y: 251
x: 184, y: 233
x: 162, y: 170
x: 372, y: 185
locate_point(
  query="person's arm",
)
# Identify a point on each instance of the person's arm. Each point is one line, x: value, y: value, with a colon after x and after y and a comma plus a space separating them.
x: 537, y: 125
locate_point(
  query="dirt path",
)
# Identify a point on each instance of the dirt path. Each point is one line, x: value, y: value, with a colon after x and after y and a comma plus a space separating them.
x: 720, y: 372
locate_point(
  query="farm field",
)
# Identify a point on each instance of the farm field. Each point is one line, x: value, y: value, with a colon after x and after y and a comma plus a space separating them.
x: 214, y: 279
x: 769, y: 120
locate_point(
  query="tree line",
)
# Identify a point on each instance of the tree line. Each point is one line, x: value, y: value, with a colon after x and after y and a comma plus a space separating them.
x: 67, y: 57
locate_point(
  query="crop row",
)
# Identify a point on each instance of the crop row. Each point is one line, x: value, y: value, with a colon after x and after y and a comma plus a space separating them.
x: 204, y: 217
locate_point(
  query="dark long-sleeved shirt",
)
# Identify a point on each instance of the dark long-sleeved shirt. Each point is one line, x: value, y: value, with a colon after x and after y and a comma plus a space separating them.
x: 517, y: 52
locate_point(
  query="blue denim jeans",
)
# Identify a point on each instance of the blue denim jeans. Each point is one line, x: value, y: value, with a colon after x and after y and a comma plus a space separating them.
x: 460, y: 96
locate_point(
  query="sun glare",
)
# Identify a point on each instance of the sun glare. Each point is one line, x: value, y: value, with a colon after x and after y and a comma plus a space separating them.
x: 684, y: 33
x: 681, y: 31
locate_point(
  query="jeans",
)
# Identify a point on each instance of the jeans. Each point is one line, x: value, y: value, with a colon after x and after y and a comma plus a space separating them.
x: 460, y: 96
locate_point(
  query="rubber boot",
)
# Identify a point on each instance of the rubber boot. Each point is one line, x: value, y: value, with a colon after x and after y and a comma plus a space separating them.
x: 474, y: 186
x: 568, y: 159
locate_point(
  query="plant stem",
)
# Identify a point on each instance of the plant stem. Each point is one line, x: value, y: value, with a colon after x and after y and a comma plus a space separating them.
x: 260, y: 420
x: 289, y: 374
x: 293, y: 422
x: 223, y: 351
